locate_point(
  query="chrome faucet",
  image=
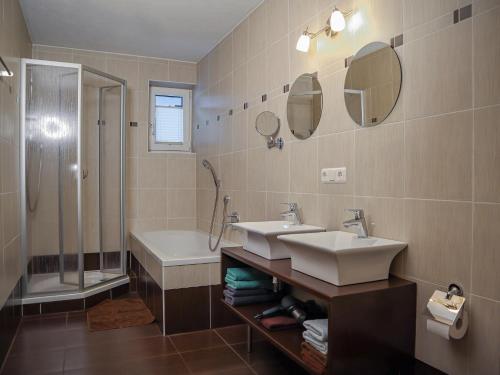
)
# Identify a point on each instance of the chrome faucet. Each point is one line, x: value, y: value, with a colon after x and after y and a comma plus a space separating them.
x: 293, y: 212
x: 359, y: 222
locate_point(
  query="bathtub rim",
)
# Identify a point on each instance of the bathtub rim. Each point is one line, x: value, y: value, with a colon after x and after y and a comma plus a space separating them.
x: 156, y: 253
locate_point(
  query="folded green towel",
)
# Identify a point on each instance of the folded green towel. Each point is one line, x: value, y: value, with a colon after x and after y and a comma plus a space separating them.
x: 235, y: 284
x: 245, y: 274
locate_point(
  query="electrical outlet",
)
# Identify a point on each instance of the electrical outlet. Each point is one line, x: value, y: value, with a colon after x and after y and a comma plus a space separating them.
x: 334, y: 175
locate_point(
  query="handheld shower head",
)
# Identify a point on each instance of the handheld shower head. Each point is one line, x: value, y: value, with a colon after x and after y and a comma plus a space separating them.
x: 209, y: 166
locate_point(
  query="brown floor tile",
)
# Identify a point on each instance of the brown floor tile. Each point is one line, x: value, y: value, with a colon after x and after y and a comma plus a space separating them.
x: 52, y: 322
x: 262, y: 352
x: 119, y: 352
x: 35, y: 364
x: 213, y: 361
x: 170, y: 364
x: 196, y: 340
x: 237, y: 334
x: 281, y: 367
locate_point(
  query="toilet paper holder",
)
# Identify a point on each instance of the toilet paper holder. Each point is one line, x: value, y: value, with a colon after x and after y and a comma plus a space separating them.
x: 446, y: 315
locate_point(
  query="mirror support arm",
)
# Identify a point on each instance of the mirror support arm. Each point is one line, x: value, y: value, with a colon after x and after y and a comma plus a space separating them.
x: 275, y: 142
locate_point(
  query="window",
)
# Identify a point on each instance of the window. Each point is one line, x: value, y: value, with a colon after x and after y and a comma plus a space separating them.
x: 170, y: 119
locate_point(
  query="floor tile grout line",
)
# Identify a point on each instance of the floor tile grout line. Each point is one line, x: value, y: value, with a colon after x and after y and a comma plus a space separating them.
x: 235, y: 352
x: 180, y: 355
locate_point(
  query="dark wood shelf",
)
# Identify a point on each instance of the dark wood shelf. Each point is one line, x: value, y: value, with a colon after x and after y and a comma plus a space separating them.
x: 371, y: 326
x: 288, y: 341
x: 282, y: 270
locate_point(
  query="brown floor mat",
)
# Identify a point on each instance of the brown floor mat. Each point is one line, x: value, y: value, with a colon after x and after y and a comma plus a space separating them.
x: 118, y: 313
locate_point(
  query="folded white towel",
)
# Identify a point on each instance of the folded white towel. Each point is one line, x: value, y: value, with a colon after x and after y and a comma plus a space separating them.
x: 320, y: 346
x: 318, y: 328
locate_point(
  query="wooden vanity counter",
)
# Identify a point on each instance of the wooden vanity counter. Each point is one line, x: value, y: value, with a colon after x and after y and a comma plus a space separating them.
x: 371, y: 326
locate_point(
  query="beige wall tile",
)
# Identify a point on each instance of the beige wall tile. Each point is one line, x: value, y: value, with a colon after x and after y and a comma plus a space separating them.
x: 439, y: 236
x: 487, y: 154
x: 380, y: 161
x: 278, y: 169
x: 257, y: 75
x: 152, y: 173
x: 152, y: 203
x: 486, y: 59
x: 385, y: 217
x: 300, y: 12
x: 184, y: 72
x: 275, y: 205
x: 183, y: 223
x: 256, y: 206
x: 239, y: 170
x: 439, y: 72
x: 215, y: 276
x: 277, y: 20
x: 484, y: 336
x: 486, y: 257
x: 154, y: 70
x: 417, y: 12
x: 94, y: 60
x: 257, y: 169
x: 331, y: 211
x: 277, y: 65
x: 239, y: 133
x: 190, y: 276
x: 181, y: 172
x: 439, y: 157
x: 126, y: 68
x: 240, y: 43
x: 257, y: 30
x: 308, y: 207
x: 254, y: 139
x: 226, y: 171
x: 239, y: 86
x: 225, y: 56
x: 336, y: 150
x: 181, y: 203
x: 303, y: 174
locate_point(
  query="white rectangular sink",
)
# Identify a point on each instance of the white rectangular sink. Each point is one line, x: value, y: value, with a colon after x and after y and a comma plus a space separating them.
x: 341, y: 258
x: 262, y: 236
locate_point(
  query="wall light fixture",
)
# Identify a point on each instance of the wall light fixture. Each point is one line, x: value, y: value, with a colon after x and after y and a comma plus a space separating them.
x: 334, y: 25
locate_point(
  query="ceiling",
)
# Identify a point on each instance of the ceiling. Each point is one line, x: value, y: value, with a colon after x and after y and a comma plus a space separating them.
x: 176, y: 29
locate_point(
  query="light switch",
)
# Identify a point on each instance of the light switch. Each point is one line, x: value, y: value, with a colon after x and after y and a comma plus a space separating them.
x: 334, y: 175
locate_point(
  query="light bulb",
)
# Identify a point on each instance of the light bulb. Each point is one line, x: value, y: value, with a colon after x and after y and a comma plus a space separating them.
x: 337, y: 21
x: 303, y: 43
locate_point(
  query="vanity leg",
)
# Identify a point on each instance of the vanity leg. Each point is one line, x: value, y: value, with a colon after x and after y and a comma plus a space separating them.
x: 249, y: 338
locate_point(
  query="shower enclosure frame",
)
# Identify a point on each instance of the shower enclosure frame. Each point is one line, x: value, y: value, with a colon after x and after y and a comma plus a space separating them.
x: 80, y: 171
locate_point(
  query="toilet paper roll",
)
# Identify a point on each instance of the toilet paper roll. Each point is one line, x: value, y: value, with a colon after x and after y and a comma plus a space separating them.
x: 445, y: 331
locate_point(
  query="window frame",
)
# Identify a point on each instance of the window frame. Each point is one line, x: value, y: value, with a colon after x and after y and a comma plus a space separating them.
x: 186, y: 95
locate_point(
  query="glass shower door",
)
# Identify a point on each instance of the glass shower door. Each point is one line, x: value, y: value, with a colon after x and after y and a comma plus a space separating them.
x: 102, y: 134
x: 50, y: 161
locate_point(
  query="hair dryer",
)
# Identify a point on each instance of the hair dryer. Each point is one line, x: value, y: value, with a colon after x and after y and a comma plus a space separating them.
x: 288, y: 305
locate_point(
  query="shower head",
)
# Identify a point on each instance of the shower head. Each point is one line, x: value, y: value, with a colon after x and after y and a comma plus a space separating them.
x: 209, y: 166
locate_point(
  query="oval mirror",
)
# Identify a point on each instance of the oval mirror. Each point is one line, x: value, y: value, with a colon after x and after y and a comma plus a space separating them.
x: 372, y: 84
x: 267, y: 124
x: 304, y: 106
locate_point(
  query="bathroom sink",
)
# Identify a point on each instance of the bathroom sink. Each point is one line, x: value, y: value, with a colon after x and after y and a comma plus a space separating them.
x: 262, y: 236
x: 341, y: 258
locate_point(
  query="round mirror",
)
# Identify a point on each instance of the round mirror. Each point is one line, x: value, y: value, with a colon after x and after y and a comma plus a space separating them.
x: 372, y: 84
x: 304, y: 106
x: 267, y: 124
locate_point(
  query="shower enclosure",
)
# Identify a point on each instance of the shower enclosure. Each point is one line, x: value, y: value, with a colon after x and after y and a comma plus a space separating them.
x: 72, y: 178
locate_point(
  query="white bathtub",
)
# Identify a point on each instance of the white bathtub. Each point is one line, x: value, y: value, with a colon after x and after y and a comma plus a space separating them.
x: 180, y: 247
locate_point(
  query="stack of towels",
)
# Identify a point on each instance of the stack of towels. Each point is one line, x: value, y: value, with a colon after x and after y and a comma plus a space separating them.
x: 315, y: 347
x: 246, y: 286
